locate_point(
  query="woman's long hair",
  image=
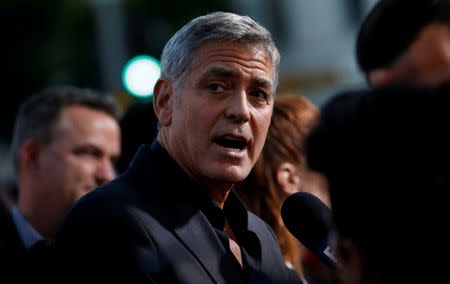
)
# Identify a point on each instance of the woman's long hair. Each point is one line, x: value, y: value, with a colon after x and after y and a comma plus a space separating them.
x: 293, y: 117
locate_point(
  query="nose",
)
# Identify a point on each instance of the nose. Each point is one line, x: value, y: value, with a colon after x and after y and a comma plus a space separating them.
x: 105, y: 172
x: 238, y: 107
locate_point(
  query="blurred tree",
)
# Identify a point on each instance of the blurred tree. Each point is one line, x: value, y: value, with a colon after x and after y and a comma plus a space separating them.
x: 45, y: 42
x: 53, y: 42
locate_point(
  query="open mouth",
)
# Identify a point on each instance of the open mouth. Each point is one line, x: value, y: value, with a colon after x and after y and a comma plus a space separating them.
x: 231, y: 142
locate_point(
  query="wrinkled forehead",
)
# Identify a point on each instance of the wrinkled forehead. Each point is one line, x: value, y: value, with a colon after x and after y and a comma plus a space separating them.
x: 254, y: 56
x: 254, y: 47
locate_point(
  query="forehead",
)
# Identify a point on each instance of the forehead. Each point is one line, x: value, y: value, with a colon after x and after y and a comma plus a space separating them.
x: 77, y: 119
x: 434, y: 30
x: 431, y: 46
x: 247, y: 58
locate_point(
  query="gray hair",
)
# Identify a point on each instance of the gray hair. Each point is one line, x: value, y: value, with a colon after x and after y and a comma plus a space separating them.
x: 178, y: 53
x: 38, y: 115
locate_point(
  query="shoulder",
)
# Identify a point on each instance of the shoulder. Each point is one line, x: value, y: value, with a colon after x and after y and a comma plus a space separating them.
x: 11, y: 247
x: 105, y: 210
x: 9, y: 239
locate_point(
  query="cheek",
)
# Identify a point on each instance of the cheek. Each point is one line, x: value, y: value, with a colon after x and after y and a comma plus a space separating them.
x: 202, y: 122
x: 53, y: 167
x: 262, y: 122
x: 435, y: 67
x: 444, y: 57
x: 78, y: 170
x: 260, y: 129
x: 84, y: 169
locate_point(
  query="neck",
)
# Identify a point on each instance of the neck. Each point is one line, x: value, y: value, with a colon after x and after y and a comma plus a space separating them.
x: 219, y: 196
x: 42, y: 216
x: 217, y: 191
x: 40, y: 222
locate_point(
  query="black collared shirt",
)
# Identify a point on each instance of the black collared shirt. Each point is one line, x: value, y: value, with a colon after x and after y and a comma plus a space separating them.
x: 234, y: 212
x: 236, y: 215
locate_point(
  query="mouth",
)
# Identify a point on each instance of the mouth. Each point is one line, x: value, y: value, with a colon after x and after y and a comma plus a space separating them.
x: 232, y: 142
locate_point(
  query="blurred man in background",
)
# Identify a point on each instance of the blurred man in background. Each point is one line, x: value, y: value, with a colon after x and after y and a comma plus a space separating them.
x: 405, y: 41
x: 64, y: 145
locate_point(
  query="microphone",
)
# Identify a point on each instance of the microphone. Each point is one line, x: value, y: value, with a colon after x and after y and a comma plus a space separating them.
x: 309, y: 220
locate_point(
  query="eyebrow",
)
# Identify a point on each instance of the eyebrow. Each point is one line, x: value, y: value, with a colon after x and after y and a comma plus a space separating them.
x: 219, y: 72
x: 229, y: 73
x: 264, y: 83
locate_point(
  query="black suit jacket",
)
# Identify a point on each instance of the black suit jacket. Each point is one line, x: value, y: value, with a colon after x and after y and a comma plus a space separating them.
x: 12, y: 251
x: 146, y: 227
x: 17, y: 264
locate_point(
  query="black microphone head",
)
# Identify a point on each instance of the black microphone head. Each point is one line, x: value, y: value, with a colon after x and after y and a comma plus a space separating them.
x: 309, y: 220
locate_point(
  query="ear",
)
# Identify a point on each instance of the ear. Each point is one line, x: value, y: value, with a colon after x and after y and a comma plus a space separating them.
x: 383, y: 76
x: 352, y: 261
x: 162, y: 101
x: 403, y: 69
x: 29, y: 154
x: 288, y: 178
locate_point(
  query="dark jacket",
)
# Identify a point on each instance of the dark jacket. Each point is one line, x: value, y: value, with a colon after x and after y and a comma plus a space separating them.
x: 12, y: 251
x: 17, y: 264
x: 147, y: 226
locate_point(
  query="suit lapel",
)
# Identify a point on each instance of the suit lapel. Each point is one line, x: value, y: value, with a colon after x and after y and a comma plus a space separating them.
x: 200, y: 238
x: 169, y: 196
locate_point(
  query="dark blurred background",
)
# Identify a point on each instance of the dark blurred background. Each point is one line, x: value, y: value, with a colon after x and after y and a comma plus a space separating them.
x: 76, y: 42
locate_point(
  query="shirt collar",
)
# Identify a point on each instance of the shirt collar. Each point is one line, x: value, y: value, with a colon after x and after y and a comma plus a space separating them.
x: 233, y: 210
x: 27, y: 233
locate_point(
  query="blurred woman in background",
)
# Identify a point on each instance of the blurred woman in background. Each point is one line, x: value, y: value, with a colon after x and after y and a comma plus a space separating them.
x: 281, y: 170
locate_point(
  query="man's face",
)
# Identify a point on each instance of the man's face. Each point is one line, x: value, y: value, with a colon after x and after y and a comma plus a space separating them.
x: 425, y: 62
x: 220, y: 118
x: 85, y: 144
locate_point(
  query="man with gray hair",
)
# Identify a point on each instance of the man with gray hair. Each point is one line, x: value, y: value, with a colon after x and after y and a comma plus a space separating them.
x: 64, y: 145
x: 173, y: 217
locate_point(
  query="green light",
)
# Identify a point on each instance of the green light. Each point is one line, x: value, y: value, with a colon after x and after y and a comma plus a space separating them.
x: 140, y: 75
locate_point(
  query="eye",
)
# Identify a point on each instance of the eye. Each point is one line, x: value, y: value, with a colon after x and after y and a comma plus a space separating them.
x: 87, y: 151
x: 258, y: 94
x: 215, y: 87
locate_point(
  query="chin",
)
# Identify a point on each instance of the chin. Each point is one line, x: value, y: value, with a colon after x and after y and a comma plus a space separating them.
x: 234, y: 175
x: 228, y: 172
